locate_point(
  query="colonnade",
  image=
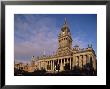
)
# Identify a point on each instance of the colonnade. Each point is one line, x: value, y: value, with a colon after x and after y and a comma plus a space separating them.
x: 77, y: 60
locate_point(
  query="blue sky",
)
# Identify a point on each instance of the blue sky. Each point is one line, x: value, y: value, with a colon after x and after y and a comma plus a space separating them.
x: 35, y: 32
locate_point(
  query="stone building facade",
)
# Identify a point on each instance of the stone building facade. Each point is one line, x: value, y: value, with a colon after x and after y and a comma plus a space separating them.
x: 65, y: 56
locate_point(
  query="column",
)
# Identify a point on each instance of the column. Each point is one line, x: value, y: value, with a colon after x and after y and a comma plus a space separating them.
x: 88, y: 58
x: 67, y: 60
x: 61, y: 65
x: 94, y: 62
x: 53, y: 65
x: 64, y: 61
x: 80, y: 61
x: 84, y: 59
x: 76, y: 61
x: 45, y: 65
x: 73, y: 64
x: 70, y: 63
x: 58, y: 61
x: 64, y: 64
x: 42, y: 64
x: 39, y: 65
x: 50, y: 64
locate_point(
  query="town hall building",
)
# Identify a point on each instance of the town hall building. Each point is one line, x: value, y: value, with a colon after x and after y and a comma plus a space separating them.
x: 66, y: 56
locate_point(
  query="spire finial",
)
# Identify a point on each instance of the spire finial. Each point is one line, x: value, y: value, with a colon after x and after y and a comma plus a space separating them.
x: 44, y: 51
x: 65, y: 21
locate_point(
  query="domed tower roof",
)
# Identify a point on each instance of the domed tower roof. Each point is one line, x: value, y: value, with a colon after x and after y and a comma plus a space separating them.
x: 65, y: 26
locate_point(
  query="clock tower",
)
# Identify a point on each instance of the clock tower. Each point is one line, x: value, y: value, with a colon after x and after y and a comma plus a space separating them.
x: 64, y: 39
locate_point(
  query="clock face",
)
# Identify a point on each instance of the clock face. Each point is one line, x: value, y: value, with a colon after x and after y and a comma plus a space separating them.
x: 63, y: 32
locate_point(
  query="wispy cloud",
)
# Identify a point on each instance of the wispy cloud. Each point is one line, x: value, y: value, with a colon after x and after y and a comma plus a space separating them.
x: 33, y: 35
x: 79, y: 42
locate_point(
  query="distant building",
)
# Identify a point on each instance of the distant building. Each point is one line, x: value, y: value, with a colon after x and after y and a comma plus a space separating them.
x: 65, y: 56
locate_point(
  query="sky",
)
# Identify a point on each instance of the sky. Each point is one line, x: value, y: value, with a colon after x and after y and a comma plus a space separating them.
x: 34, y: 33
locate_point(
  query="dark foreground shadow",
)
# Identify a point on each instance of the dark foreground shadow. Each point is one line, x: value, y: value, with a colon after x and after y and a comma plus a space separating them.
x: 87, y: 70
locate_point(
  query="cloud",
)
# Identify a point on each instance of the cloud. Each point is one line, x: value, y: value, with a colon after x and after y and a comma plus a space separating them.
x: 78, y: 41
x: 79, y: 38
x: 33, y: 35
